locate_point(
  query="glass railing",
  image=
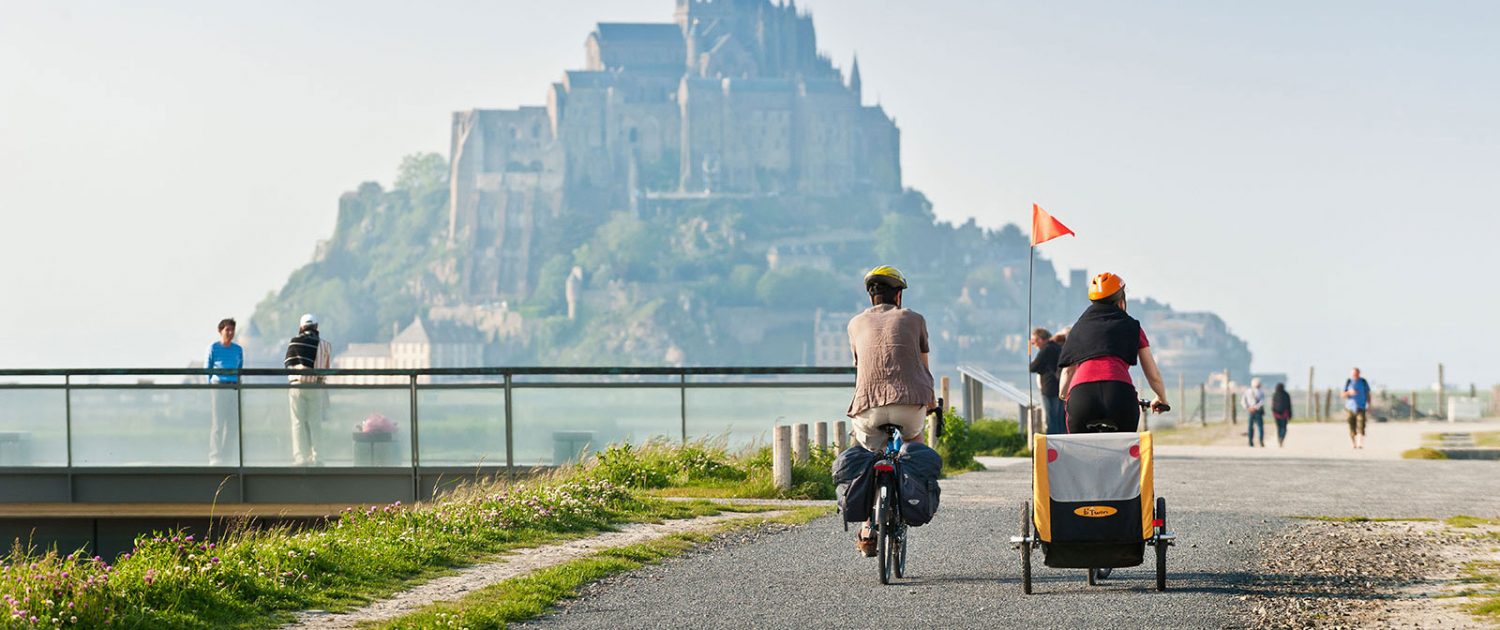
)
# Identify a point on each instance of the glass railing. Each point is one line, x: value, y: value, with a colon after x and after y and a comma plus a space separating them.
x: 458, y: 418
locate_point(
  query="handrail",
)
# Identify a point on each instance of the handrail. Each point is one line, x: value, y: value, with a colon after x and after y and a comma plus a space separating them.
x: 474, y: 371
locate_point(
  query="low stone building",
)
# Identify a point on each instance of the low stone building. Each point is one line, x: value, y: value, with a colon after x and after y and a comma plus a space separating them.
x: 423, y: 344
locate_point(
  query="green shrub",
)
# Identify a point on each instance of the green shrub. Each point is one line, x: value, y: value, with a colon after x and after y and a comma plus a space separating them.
x: 957, y: 444
x: 998, y: 438
x: 628, y: 466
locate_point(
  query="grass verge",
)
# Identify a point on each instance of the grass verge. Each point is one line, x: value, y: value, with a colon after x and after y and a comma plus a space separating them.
x: 1193, y: 434
x: 1365, y: 519
x: 532, y: 595
x: 1423, y: 453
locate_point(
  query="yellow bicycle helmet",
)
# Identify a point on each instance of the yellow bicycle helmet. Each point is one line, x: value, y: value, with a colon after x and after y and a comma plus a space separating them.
x: 886, y: 275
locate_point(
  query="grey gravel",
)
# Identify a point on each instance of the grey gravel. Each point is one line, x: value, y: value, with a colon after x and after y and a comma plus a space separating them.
x: 963, y: 574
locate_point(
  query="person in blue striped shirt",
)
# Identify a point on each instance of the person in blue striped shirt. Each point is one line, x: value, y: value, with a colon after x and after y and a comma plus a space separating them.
x: 223, y: 354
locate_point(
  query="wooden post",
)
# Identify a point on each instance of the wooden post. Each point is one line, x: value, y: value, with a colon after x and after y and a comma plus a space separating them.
x: 1411, y: 412
x: 1328, y: 404
x: 799, y: 442
x: 1228, y: 399
x: 781, y: 457
x: 1181, y: 396
x: 1312, y: 407
x: 841, y: 435
x: 947, y: 402
x: 1442, y: 396
x: 1203, y: 404
x: 820, y: 435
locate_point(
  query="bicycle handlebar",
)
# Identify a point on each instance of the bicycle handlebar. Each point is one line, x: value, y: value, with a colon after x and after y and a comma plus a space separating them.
x: 1159, y: 408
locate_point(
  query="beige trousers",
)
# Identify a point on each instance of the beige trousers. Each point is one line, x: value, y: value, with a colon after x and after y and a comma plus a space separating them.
x: 867, y: 424
x: 308, y: 405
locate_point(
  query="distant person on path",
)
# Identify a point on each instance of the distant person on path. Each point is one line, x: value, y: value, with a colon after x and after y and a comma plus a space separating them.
x: 307, y: 350
x: 892, y: 383
x: 1356, y: 396
x: 1281, y: 410
x: 223, y: 354
x: 1044, y: 365
x: 1096, y: 362
x: 1254, y: 400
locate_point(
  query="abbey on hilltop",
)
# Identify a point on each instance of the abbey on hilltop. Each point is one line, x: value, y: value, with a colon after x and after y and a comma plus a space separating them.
x: 732, y: 98
x: 705, y: 191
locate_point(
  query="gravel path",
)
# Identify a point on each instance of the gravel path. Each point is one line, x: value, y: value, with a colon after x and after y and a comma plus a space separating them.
x: 521, y: 562
x: 964, y: 575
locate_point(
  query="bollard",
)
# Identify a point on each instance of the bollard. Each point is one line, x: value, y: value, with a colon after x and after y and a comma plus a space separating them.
x: 799, y: 443
x: 820, y: 435
x: 841, y: 435
x: 781, y: 457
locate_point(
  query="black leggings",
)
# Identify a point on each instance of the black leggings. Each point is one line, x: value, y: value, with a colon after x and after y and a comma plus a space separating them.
x: 1111, y: 402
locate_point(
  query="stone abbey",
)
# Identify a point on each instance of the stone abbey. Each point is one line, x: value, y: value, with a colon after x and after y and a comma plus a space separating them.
x: 731, y: 99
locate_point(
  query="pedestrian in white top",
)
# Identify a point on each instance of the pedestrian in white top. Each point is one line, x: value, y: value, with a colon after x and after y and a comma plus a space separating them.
x: 1254, y: 400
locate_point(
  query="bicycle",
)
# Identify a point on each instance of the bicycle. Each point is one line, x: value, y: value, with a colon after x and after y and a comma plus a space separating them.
x: 890, y: 529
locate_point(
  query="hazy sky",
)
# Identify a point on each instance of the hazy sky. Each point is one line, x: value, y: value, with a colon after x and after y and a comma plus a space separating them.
x: 1326, y: 176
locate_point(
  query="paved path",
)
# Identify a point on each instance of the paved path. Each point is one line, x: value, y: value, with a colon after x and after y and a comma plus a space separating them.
x: 964, y: 575
x: 518, y: 563
x: 1330, y: 440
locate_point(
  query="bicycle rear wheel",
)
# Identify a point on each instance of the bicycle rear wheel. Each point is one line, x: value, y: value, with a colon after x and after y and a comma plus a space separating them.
x: 882, y: 535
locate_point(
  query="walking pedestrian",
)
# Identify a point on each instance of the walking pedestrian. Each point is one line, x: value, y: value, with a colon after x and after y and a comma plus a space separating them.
x: 223, y: 354
x: 1044, y: 365
x: 1356, y: 396
x: 1254, y: 400
x: 1281, y: 410
x: 307, y: 350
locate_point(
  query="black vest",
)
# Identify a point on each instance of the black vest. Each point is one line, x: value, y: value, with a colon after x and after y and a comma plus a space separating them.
x: 1103, y: 330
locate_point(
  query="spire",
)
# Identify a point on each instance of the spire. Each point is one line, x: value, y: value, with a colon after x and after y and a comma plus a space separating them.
x: 856, y: 85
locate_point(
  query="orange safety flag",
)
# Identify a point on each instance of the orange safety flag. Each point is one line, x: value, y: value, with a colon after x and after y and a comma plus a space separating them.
x: 1045, y: 228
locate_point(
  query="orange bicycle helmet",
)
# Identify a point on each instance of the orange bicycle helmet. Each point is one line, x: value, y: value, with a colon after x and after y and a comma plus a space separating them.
x: 1105, y: 285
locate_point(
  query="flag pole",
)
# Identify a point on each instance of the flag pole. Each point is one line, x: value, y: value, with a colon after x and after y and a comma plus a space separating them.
x: 1030, y: 282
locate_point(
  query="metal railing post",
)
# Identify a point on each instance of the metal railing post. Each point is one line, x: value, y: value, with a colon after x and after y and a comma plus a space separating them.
x: 416, y: 477
x: 682, y: 402
x: 239, y: 428
x: 68, y: 428
x: 510, y: 449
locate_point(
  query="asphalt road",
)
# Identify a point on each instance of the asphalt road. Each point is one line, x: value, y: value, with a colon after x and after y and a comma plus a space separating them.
x: 963, y: 573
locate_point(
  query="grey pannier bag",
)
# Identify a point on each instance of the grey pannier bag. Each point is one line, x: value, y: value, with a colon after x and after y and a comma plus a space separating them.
x: 918, y: 467
x: 853, y: 478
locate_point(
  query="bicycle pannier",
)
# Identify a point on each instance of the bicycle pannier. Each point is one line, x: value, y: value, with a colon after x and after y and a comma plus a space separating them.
x: 918, y: 467
x: 853, y: 478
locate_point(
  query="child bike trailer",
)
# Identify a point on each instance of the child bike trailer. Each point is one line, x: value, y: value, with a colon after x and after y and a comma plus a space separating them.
x: 1093, y: 505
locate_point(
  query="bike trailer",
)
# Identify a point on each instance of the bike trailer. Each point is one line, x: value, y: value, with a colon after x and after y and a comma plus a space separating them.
x: 1093, y: 498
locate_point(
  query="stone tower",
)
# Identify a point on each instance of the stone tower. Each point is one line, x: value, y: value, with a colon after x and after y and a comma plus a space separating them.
x: 731, y: 98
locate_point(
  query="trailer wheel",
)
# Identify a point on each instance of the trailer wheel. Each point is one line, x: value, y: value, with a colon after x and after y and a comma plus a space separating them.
x: 1161, y: 545
x: 1026, y: 548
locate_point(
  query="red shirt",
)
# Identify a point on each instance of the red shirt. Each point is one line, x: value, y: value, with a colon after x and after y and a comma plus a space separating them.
x: 1106, y: 368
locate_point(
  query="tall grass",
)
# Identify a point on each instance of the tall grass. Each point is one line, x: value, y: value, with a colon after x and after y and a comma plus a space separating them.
x: 252, y: 577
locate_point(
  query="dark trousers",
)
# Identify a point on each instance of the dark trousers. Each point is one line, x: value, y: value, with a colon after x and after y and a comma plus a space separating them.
x: 1257, y: 420
x: 1056, y: 413
x: 1281, y: 429
x: 1103, y: 406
